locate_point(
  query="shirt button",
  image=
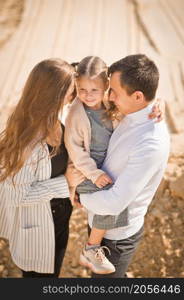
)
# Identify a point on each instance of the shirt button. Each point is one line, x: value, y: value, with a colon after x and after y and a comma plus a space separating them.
x: 53, y: 211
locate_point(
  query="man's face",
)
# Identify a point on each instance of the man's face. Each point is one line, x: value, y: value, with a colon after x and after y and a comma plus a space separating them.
x: 124, y: 102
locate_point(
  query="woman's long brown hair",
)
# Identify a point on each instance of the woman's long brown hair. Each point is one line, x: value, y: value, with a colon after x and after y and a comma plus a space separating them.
x: 36, y: 114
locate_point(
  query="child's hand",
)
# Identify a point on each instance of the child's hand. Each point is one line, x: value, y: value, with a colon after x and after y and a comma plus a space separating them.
x: 103, y: 180
x: 158, y: 110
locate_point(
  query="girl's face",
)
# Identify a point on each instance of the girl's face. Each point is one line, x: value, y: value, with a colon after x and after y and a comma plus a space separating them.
x: 91, y: 91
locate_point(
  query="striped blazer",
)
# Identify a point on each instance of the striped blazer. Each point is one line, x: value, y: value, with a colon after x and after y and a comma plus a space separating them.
x: 25, y: 212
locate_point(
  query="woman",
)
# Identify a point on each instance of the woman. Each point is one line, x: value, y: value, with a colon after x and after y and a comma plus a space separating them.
x: 34, y: 198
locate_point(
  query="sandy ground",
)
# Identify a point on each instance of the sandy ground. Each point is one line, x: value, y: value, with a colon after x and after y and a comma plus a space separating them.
x: 10, y: 17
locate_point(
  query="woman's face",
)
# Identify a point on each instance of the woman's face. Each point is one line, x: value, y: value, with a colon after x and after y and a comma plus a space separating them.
x: 69, y: 94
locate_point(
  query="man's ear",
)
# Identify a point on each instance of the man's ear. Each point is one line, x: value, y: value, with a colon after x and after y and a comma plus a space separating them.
x: 139, y: 97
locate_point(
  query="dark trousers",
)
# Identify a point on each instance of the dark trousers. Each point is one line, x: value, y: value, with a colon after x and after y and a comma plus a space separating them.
x: 122, y: 252
x: 61, y: 211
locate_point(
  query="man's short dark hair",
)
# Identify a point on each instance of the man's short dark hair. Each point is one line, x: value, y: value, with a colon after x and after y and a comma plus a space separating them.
x: 137, y: 73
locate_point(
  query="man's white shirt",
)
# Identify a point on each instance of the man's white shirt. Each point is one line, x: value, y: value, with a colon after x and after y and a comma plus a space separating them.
x: 136, y: 160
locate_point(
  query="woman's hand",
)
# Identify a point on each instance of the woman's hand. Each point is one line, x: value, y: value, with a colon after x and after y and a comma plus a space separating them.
x: 158, y: 110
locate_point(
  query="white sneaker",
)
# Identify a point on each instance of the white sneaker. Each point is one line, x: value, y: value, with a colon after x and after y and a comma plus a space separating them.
x: 95, y: 259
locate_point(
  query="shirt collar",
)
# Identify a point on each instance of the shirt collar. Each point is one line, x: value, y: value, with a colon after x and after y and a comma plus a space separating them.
x: 140, y: 116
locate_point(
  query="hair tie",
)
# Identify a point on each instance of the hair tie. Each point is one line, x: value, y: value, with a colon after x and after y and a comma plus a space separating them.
x: 75, y: 64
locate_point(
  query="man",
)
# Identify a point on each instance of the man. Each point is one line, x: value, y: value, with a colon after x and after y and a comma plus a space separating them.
x: 136, y: 159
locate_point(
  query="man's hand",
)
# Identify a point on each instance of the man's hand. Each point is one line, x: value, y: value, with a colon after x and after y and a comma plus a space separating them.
x: 158, y: 110
x: 103, y: 180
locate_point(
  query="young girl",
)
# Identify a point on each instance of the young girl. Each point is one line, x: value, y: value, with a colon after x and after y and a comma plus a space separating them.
x: 87, y: 135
